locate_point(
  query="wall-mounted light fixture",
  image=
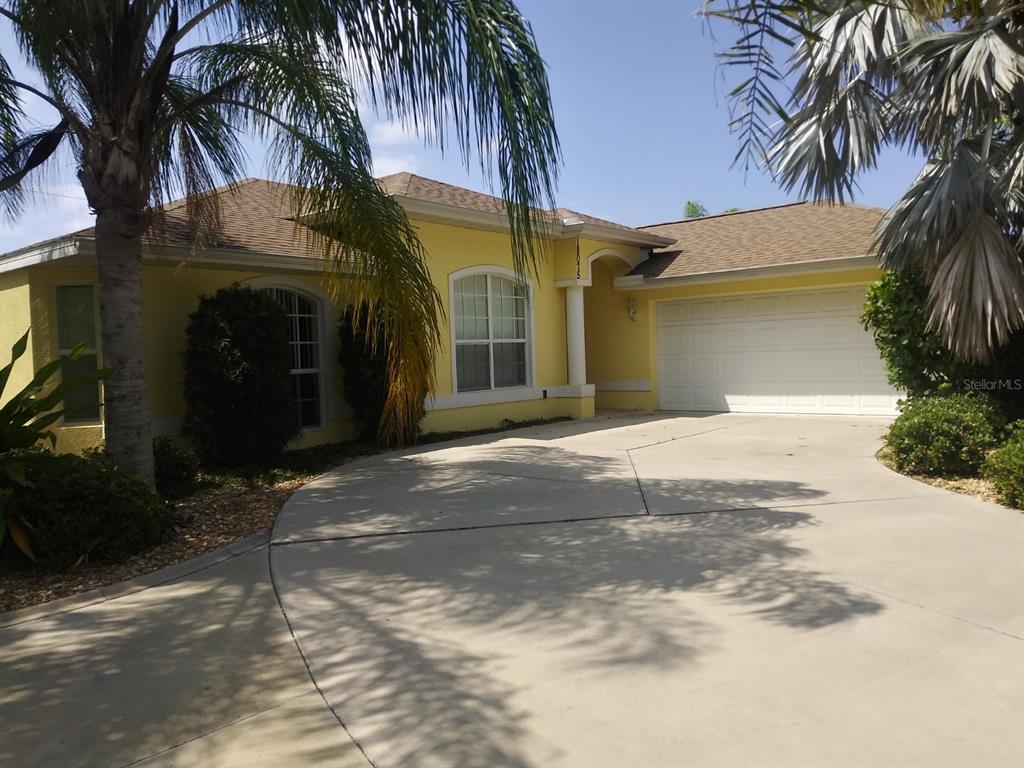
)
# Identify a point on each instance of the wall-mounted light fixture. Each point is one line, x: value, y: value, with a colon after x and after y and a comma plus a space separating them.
x: 632, y: 310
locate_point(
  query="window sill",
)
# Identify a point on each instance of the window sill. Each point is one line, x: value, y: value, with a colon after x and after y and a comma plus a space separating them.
x: 505, y: 395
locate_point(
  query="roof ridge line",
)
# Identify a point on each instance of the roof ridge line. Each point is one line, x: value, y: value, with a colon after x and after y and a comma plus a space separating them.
x: 725, y: 213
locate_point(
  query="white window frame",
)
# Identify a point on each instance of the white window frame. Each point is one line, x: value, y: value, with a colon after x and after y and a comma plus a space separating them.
x: 492, y: 394
x: 95, y: 350
x: 324, y: 328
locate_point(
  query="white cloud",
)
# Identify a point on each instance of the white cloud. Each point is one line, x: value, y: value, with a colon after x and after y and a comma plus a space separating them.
x: 50, y: 211
x: 386, y: 163
x: 392, y: 134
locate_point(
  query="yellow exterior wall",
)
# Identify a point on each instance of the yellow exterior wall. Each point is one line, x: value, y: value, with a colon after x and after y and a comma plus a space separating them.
x: 15, y: 319
x: 619, y: 349
x: 169, y: 293
x: 486, y: 416
x: 452, y: 249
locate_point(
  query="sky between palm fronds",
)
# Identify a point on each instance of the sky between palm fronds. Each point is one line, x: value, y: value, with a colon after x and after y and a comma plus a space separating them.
x: 641, y: 109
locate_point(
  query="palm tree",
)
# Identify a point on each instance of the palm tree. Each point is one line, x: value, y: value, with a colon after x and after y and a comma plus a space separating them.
x: 945, y: 79
x: 152, y: 97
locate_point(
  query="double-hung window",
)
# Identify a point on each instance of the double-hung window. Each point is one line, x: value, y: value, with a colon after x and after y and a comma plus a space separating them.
x: 304, y: 344
x: 491, y: 333
x: 76, y: 325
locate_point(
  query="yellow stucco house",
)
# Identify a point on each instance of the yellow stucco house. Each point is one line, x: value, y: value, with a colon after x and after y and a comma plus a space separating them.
x: 752, y: 311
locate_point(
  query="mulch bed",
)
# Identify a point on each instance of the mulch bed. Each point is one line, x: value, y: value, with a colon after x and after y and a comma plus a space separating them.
x: 208, y: 519
x: 971, y: 486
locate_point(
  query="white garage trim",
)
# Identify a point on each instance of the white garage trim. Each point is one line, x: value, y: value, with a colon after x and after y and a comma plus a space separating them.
x: 783, y: 351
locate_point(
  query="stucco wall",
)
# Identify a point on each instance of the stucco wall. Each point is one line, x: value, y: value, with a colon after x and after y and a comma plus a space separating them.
x: 15, y: 319
x: 622, y: 353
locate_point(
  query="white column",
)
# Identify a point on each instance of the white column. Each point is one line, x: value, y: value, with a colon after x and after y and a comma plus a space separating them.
x: 574, y: 335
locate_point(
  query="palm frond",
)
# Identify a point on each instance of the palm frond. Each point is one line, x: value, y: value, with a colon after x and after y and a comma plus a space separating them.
x: 963, y: 78
x: 471, y: 65
x: 954, y: 225
x: 307, y: 111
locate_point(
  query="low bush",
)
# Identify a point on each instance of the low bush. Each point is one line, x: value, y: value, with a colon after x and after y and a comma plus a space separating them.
x: 364, y: 371
x: 80, y: 509
x: 239, y: 411
x: 176, y: 468
x: 1005, y: 468
x: 945, y: 435
x: 916, y: 358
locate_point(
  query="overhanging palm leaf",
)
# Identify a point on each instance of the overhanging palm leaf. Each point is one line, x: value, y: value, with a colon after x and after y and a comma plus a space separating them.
x: 153, y: 96
x: 946, y: 79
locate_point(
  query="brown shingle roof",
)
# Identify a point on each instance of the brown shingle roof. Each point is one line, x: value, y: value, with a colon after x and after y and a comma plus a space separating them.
x: 764, y: 237
x: 418, y: 188
x: 257, y: 214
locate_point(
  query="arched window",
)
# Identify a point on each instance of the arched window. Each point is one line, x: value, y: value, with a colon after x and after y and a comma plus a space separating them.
x: 304, y: 342
x: 491, y: 332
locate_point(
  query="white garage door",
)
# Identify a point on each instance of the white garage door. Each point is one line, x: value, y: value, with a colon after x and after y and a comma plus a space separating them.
x: 784, y: 352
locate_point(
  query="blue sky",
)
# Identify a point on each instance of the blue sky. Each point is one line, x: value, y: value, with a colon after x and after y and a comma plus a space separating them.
x: 641, y: 109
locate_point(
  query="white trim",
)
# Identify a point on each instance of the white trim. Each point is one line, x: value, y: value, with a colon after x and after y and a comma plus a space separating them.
x: 571, y: 390
x: 531, y: 351
x: 575, y: 336
x: 586, y: 282
x: 631, y: 283
x: 33, y: 255
x: 483, y: 397
x: 328, y: 408
x: 617, y: 254
x: 624, y: 385
x: 506, y: 395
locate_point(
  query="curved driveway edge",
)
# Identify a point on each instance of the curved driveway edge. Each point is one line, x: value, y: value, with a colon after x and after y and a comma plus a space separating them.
x: 199, y: 670
x: 691, y: 590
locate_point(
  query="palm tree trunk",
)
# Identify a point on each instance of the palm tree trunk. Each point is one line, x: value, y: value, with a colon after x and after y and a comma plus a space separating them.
x: 126, y: 411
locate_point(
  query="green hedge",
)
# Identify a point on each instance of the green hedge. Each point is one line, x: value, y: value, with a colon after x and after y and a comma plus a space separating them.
x: 1005, y: 468
x: 917, y: 360
x: 176, y: 468
x: 81, y: 509
x: 945, y: 435
x: 239, y: 411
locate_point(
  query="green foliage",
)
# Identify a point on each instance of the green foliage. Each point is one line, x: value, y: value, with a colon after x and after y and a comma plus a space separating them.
x: 694, y: 210
x: 916, y: 358
x: 364, y: 368
x: 84, y: 509
x: 176, y: 468
x: 945, y: 435
x: 828, y: 86
x: 896, y: 315
x: 1005, y: 468
x: 238, y: 407
x: 285, y: 73
x: 26, y: 417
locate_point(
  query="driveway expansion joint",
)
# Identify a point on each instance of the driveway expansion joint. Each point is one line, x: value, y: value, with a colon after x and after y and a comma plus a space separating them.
x: 305, y: 661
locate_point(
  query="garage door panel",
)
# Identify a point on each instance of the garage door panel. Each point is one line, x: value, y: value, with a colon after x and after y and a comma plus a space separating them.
x: 795, y: 352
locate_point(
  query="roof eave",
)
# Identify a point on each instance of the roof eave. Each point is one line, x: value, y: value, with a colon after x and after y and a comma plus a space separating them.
x: 64, y: 247
x: 642, y: 283
x: 552, y: 228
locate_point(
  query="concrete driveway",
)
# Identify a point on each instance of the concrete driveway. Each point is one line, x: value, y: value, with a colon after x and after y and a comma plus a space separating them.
x: 703, y: 590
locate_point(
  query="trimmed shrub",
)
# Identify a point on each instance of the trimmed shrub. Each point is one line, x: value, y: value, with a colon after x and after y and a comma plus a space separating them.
x: 239, y: 411
x: 176, y: 468
x: 945, y: 435
x: 83, y: 508
x: 364, y: 369
x: 1005, y: 468
x: 917, y: 360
